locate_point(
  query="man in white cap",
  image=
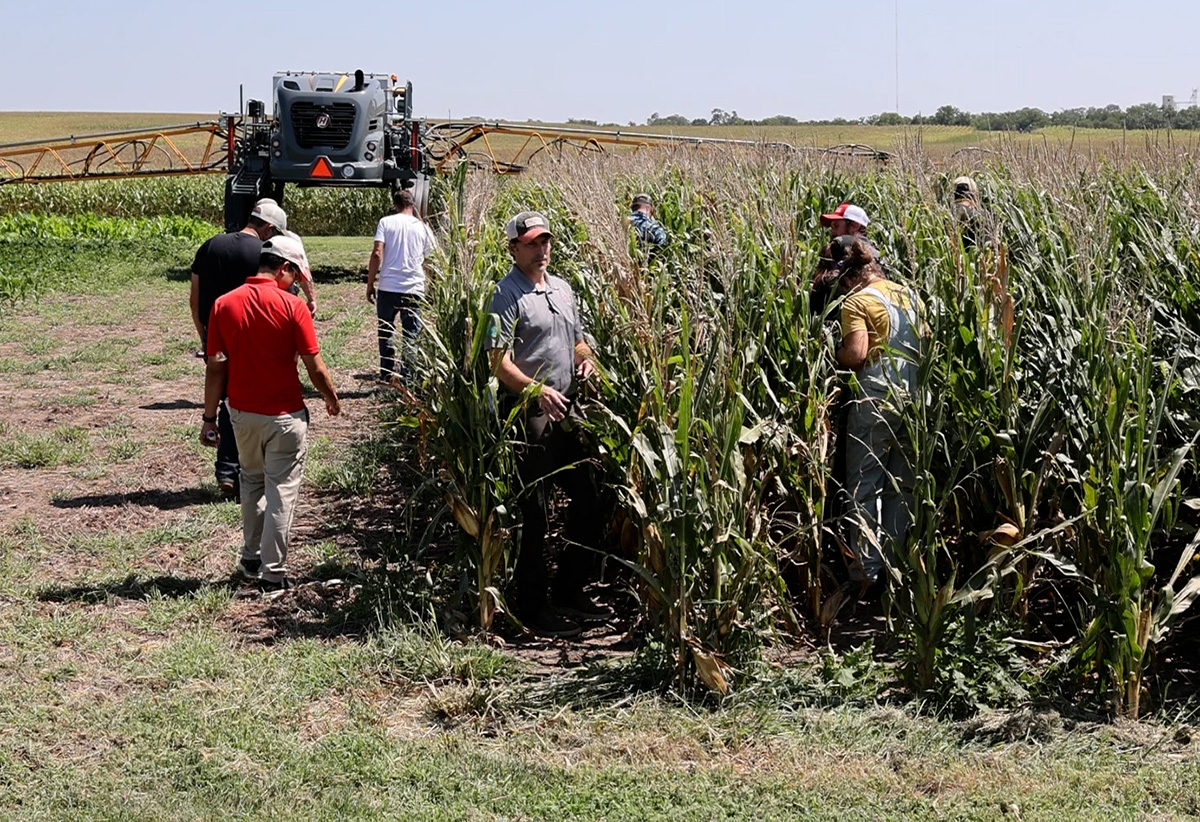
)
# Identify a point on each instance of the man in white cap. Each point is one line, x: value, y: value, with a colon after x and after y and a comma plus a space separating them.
x: 537, y: 347
x: 255, y: 335
x: 968, y: 212
x: 222, y: 264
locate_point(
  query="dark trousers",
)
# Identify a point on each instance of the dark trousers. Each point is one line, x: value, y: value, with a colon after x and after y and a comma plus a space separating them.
x: 227, y: 452
x: 548, y: 450
x: 387, y: 305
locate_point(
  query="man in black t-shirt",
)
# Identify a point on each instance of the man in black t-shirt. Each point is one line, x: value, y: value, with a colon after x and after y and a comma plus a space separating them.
x: 222, y: 264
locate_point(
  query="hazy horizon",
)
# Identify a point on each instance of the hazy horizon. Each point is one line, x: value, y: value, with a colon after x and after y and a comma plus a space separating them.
x: 619, y: 63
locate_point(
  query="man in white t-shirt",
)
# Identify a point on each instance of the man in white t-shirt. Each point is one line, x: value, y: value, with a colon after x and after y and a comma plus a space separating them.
x: 402, y: 243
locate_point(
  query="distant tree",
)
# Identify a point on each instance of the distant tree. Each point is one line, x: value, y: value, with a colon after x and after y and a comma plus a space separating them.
x: 1187, y: 118
x: 1146, y: 115
x: 1110, y: 116
x: 988, y: 121
x: 1028, y: 119
x: 1068, y: 117
x: 1025, y: 119
x: 581, y: 122
x: 950, y: 116
x: 1143, y: 116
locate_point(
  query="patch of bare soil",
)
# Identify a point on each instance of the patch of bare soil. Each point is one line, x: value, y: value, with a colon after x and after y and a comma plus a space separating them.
x: 111, y: 529
x: 146, y: 511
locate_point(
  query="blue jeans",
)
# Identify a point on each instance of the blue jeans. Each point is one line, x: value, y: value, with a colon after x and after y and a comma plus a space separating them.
x: 879, y: 479
x: 387, y: 305
x: 227, y: 450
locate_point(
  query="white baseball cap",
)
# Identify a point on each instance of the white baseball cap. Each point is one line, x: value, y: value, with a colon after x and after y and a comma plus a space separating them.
x: 269, y: 211
x: 288, y: 247
x: 846, y: 211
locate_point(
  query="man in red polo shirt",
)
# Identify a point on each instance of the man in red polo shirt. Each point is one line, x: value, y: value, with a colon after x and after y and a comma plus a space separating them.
x: 255, y: 335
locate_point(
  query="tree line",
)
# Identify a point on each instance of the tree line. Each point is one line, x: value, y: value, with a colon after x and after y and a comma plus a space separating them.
x: 1141, y: 116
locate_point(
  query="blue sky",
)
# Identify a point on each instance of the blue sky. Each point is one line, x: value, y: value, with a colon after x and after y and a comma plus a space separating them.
x: 614, y: 61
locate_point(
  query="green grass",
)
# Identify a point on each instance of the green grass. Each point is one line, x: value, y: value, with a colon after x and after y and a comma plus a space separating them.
x: 207, y: 727
x: 83, y: 398
x: 65, y: 445
x: 120, y: 443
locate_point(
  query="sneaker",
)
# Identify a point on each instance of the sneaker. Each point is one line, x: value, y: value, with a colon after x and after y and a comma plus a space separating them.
x: 270, y: 586
x: 227, y: 488
x: 582, y: 606
x: 547, y: 623
x: 249, y: 568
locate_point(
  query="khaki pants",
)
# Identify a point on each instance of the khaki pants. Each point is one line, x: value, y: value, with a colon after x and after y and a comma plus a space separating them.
x: 271, y: 452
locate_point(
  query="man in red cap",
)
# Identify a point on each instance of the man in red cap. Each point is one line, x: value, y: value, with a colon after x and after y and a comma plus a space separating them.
x: 846, y: 219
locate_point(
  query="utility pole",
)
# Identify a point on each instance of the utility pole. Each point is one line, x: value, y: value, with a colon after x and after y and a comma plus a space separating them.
x: 897, y: 53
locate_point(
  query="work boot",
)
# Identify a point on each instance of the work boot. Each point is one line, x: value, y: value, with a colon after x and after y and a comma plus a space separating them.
x: 249, y: 568
x: 545, y: 622
x: 271, y: 586
x: 581, y: 606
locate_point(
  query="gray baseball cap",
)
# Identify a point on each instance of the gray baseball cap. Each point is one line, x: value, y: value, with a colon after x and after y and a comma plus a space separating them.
x: 527, y: 225
x: 640, y: 200
x: 269, y: 212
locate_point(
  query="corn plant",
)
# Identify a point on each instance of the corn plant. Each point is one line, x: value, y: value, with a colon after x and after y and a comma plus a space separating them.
x: 711, y: 418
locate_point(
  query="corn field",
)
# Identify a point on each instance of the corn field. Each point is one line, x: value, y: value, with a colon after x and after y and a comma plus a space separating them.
x: 311, y: 211
x: 1055, y: 447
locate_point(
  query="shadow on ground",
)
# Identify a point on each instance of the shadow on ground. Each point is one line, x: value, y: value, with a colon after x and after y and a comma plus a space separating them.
x: 161, y: 499
x: 338, y: 274
x: 132, y: 587
x: 172, y: 405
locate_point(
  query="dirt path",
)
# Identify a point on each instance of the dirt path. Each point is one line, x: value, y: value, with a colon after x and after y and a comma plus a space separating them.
x: 101, y: 474
x: 106, y: 496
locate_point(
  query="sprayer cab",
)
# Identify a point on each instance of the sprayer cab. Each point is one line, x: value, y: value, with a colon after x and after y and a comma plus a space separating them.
x: 328, y: 129
x: 333, y: 128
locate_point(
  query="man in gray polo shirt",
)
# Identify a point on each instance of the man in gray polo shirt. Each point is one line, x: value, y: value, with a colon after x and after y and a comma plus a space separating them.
x: 537, y: 346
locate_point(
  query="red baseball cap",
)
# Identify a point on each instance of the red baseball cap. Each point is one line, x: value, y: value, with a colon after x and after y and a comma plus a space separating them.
x: 846, y: 211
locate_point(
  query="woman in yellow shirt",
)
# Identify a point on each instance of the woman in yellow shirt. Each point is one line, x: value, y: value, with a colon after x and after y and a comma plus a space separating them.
x: 881, y: 345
